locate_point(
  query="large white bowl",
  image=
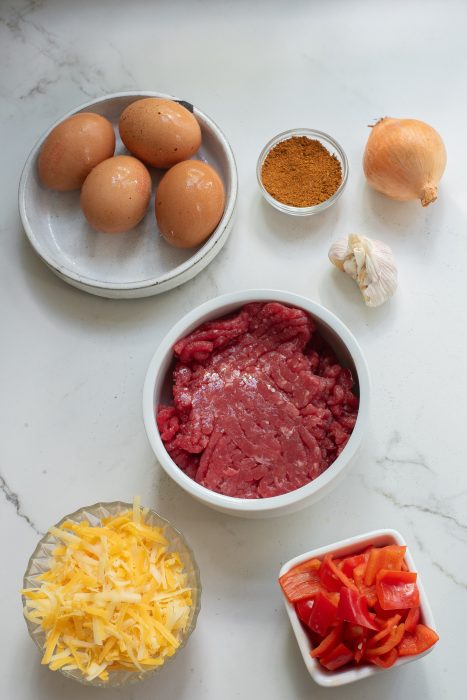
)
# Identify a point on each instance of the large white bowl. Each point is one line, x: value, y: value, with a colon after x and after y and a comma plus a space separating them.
x: 138, y: 263
x: 158, y: 389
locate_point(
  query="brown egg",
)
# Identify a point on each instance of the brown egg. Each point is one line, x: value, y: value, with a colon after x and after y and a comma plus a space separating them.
x: 160, y: 132
x: 116, y: 194
x: 73, y: 149
x: 189, y: 203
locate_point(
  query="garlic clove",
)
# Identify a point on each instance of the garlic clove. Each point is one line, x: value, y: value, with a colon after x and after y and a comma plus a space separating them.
x: 370, y: 263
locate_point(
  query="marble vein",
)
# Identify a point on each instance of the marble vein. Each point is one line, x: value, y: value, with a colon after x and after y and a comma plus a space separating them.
x: 90, y: 80
x: 414, y: 506
x: 439, y: 566
x: 13, y: 498
x: 417, y: 461
x: 449, y: 575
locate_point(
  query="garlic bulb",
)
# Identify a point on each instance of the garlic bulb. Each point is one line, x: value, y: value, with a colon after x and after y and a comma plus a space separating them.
x: 405, y: 159
x: 370, y: 263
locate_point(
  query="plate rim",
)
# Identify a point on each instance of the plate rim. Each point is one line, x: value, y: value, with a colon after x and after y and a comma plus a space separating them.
x: 175, y: 273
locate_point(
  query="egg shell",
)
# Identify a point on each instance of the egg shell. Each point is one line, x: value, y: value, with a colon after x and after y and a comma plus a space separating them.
x: 116, y: 194
x: 159, y: 131
x: 73, y: 149
x: 189, y: 203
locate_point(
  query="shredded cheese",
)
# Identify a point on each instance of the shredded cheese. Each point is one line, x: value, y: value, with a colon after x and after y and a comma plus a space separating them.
x: 114, y: 597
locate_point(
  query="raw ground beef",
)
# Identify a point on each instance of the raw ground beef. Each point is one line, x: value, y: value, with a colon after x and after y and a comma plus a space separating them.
x: 261, y: 406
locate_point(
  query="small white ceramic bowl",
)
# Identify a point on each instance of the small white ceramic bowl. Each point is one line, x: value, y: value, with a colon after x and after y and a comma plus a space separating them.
x: 158, y: 389
x: 353, y: 545
x: 138, y: 263
x: 330, y: 144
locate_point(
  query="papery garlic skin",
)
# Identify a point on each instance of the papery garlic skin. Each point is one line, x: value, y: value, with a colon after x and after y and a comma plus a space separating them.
x: 405, y: 159
x: 370, y: 263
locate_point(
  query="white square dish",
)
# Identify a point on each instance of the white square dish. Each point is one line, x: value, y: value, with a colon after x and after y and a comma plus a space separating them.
x: 352, y: 545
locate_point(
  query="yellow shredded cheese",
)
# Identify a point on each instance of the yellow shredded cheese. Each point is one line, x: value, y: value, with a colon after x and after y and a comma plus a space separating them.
x: 113, y: 598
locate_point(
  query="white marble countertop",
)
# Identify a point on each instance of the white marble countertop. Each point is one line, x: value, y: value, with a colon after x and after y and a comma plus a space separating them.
x: 72, y: 365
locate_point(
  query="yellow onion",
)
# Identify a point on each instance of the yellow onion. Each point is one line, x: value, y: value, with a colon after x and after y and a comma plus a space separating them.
x: 405, y: 159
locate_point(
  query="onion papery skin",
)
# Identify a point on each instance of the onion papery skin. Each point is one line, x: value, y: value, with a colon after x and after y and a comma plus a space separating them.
x: 404, y: 159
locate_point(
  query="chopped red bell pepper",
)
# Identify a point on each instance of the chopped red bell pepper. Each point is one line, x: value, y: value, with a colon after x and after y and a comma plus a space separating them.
x: 386, y: 660
x: 390, y: 557
x: 302, y: 581
x: 364, y: 607
x: 303, y: 609
x: 353, y: 608
x: 392, y: 641
x: 356, y: 638
x: 349, y: 564
x: 336, y: 658
x: 323, y: 614
x: 385, y: 630
x: 358, y: 574
x: 328, y: 643
x: 360, y: 649
x: 412, y: 619
x: 318, y: 613
x: 368, y: 591
x: 352, y: 632
x: 418, y: 641
x: 397, y: 590
x: 332, y: 577
x: 382, y: 616
x: 328, y: 578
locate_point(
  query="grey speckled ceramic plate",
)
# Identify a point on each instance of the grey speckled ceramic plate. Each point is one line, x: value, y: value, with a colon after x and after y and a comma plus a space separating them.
x: 138, y: 263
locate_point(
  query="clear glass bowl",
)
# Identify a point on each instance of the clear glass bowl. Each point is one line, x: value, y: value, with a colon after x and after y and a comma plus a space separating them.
x: 40, y: 562
x: 330, y: 144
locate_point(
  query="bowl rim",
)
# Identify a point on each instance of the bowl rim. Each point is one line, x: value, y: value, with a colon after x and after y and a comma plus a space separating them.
x: 190, y: 321
x: 180, y: 270
x: 47, y: 538
x: 302, y: 131
x: 349, y: 546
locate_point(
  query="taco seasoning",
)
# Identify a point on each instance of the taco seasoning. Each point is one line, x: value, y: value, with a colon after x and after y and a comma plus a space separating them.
x: 301, y: 172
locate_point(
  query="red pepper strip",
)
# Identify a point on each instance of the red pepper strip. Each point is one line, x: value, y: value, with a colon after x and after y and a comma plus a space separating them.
x: 331, y: 575
x: 328, y: 643
x: 390, y: 557
x: 356, y: 636
x: 337, y: 657
x: 328, y: 579
x: 318, y: 614
x: 302, y: 581
x: 412, y: 619
x: 382, y: 616
x: 368, y: 591
x: 386, y: 660
x: 309, y: 565
x: 349, y: 563
x: 370, y: 594
x: 397, y: 589
x: 388, y: 626
x: 354, y: 608
x: 392, y: 641
x: 358, y: 574
x: 415, y: 642
x: 361, y: 648
x: 332, y: 596
x: 303, y: 609
x: 323, y: 615
x: 352, y: 632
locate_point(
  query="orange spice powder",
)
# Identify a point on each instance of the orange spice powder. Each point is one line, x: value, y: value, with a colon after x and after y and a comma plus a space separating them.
x: 301, y: 172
